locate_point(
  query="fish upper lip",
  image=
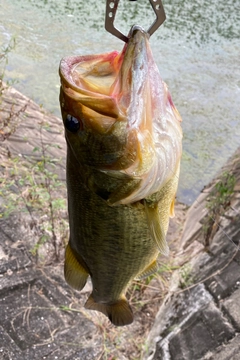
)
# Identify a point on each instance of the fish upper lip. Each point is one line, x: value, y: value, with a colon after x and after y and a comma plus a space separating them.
x: 136, y: 28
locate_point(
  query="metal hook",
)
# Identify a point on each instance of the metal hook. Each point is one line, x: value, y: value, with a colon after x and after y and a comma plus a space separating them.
x: 111, y: 9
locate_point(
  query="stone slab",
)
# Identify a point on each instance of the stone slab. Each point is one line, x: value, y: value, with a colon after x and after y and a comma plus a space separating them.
x: 232, y: 308
x: 212, y: 331
x: 177, y: 309
x: 230, y: 351
x: 223, y: 284
x: 204, y: 331
x: 8, y: 348
x: 32, y: 316
x: 193, y: 226
x: 33, y: 128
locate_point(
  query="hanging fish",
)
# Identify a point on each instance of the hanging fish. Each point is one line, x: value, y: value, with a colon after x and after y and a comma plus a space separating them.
x: 124, y: 147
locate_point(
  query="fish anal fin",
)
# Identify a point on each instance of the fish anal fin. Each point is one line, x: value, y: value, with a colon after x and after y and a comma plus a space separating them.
x: 75, y: 273
x: 149, y: 270
x: 156, y: 228
x: 119, y: 312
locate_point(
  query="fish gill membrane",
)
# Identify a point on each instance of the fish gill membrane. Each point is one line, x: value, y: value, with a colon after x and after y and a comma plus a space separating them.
x: 124, y: 144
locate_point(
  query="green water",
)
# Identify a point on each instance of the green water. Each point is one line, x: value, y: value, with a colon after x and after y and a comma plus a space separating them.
x: 196, y: 50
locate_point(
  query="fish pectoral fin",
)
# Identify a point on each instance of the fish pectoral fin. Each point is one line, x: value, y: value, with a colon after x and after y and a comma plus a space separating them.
x: 123, y: 192
x: 156, y: 228
x: 119, y: 313
x: 75, y: 273
x: 149, y: 270
x: 172, y: 212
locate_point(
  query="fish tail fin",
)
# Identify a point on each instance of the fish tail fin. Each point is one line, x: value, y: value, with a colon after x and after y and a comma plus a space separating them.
x: 74, y: 272
x: 119, y: 313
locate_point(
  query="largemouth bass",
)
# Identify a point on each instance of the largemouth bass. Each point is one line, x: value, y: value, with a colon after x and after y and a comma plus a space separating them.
x: 123, y: 139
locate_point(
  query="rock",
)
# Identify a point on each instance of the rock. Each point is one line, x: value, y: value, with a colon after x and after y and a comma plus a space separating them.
x: 201, y: 321
x: 31, y: 127
x: 203, y: 331
x: 36, y: 320
x: 231, y: 306
x: 228, y: 351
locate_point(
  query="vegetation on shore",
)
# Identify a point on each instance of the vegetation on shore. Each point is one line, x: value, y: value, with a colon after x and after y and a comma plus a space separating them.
x: 218, y: 202
x: 29, y: 183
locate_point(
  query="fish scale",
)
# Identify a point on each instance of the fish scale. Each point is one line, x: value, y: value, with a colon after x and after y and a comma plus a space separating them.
x: 97, y: 224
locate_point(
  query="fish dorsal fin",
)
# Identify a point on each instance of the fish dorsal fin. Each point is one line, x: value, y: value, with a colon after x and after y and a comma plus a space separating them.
x: 119, y: 312
x: 156, y: 228
x: 75, y: 274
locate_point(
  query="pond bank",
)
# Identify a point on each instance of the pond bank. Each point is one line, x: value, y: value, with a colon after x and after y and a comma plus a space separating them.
x: 43, y: 318
x: 199, y: 318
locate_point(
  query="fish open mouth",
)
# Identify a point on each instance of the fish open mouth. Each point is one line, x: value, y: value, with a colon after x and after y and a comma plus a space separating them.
x: 106, y: 77
x: 121, y: 99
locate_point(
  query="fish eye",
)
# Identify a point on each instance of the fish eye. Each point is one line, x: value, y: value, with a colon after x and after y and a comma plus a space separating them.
x: 72, y: 123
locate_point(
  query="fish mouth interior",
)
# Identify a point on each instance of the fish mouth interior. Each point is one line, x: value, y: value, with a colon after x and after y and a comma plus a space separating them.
x: 108, y: 83
x: 97, y: 73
